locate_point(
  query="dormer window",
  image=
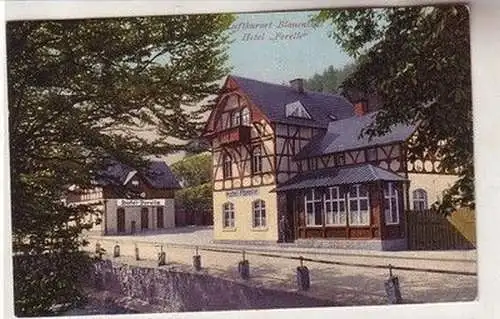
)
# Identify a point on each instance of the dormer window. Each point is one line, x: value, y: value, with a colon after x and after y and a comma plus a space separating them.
x: 296, y: 109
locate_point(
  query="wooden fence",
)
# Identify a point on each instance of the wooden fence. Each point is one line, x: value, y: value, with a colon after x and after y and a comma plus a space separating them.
x: 184, y: 218
x: 428, y: 230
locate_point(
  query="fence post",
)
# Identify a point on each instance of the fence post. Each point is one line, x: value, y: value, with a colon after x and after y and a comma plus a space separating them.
x: 392, y: 288
x: 116, y: 250
x: 303, y: 280
x: 162, y: 257
x: 244, y: 267
x: 137, y: 252
x: 197, y: 260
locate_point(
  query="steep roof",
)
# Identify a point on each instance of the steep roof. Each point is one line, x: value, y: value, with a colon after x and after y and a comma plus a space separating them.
x: 158, y: 175
x: 271, y: 99
x: 344, y: 135
x: 335, y: 176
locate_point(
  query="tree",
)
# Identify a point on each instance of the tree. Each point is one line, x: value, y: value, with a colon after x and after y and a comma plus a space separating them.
x: 75, y: 90
x: 194, y: 173
x: 330, y: 80
x: 417, y: 60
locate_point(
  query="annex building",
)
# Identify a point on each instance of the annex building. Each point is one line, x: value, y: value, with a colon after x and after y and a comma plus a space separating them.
x: 290, y: 165
x: 130, y: 201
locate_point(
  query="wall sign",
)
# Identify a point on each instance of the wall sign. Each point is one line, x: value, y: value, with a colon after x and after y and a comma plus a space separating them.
x: 243, y: 192
x: 140, y: 202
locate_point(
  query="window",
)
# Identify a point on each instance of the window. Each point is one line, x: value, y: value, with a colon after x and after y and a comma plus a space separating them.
x: 259, y: 214
x: 420, y: 199
x: 312, y: 163
x: 371, y: 154
x: 335, y: 213
x: 228, y: 215
x: 296, y: 109
x: 313, y: 204
x: 340, y: 159
x: 227, y: 166
x: 159, y: 217
x: 235, y: 119
x: 257, y: 160
x: 359, y: 211
x: 225, y: 120
x: 245, y: 116
x: 391, y: 204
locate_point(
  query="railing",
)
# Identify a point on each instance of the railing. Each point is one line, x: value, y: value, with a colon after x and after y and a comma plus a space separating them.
x: 239, y: 134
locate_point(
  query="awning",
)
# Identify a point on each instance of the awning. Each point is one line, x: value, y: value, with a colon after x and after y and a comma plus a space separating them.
x: 334, y: 176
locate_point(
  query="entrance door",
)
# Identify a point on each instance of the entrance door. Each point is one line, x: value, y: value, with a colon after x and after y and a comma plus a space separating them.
x: 120, y: 220
x: 159, y: 217
x: 290, y: 206
x: 144, y: 218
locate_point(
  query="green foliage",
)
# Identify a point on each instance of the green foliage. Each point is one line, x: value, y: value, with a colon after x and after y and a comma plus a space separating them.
x: 195, y: 174
x: 197, y: 199
x: 77, y: 89
x: 39, y: 282
x: 330, y: 80
x: 193, y: 170
x: 417, y: 59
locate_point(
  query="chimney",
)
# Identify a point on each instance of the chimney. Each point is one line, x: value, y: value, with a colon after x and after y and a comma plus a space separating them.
x: 298, y: 85
x: 360, y: 107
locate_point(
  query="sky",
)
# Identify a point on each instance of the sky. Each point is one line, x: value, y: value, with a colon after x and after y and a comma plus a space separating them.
x: 279, y: 47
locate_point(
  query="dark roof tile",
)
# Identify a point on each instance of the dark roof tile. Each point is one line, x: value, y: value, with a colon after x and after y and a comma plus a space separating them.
x: 158, y: 175
x: 339, y: 176
x: 271, y: 99
x: 344, y: 135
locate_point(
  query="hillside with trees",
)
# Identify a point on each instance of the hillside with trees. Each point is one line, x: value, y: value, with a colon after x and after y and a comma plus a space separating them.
x: 330, y: 80
x: 417, y: 59
x: 75, y: 87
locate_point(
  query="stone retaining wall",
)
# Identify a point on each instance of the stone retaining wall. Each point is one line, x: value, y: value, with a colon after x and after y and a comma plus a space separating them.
x: 170, y: 290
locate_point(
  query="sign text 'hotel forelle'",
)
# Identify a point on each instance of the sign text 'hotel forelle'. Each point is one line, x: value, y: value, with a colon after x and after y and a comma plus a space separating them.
x: 140, y: 202
x: 243, y: 192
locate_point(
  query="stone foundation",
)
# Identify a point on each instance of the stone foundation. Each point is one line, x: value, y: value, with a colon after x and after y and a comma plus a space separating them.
x: 171, y: 290
x: 366, y: 244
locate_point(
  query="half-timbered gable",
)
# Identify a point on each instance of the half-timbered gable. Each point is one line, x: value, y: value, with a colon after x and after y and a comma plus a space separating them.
x: 291, y: 164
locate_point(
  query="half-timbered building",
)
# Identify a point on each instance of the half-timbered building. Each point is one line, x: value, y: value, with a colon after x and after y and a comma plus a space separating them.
x: 129, y: 200
x: 291, y: 165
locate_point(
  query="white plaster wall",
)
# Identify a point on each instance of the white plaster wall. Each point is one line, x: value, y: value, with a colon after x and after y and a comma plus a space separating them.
x: 433, y: 184
x: 243, y: 229
x: 134, y: 214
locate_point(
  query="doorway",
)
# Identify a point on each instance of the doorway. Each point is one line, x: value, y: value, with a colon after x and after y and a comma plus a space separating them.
x: 120, y: 220
x: 159, y: 217
x: 144, y: 218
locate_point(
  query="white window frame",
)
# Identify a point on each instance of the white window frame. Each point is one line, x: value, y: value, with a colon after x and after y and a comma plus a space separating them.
x: 315, y: 198
x: 338, y: 217
x: 358, y: 198
x: 235, y: 119
x: 296, y: 109
x: 259, y: 214
x: 420, y: 199
x: 257, y: 160
x: 391, y: 193
x: 228, y: 215
x: 229, y: 162
x: 245, y: 116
